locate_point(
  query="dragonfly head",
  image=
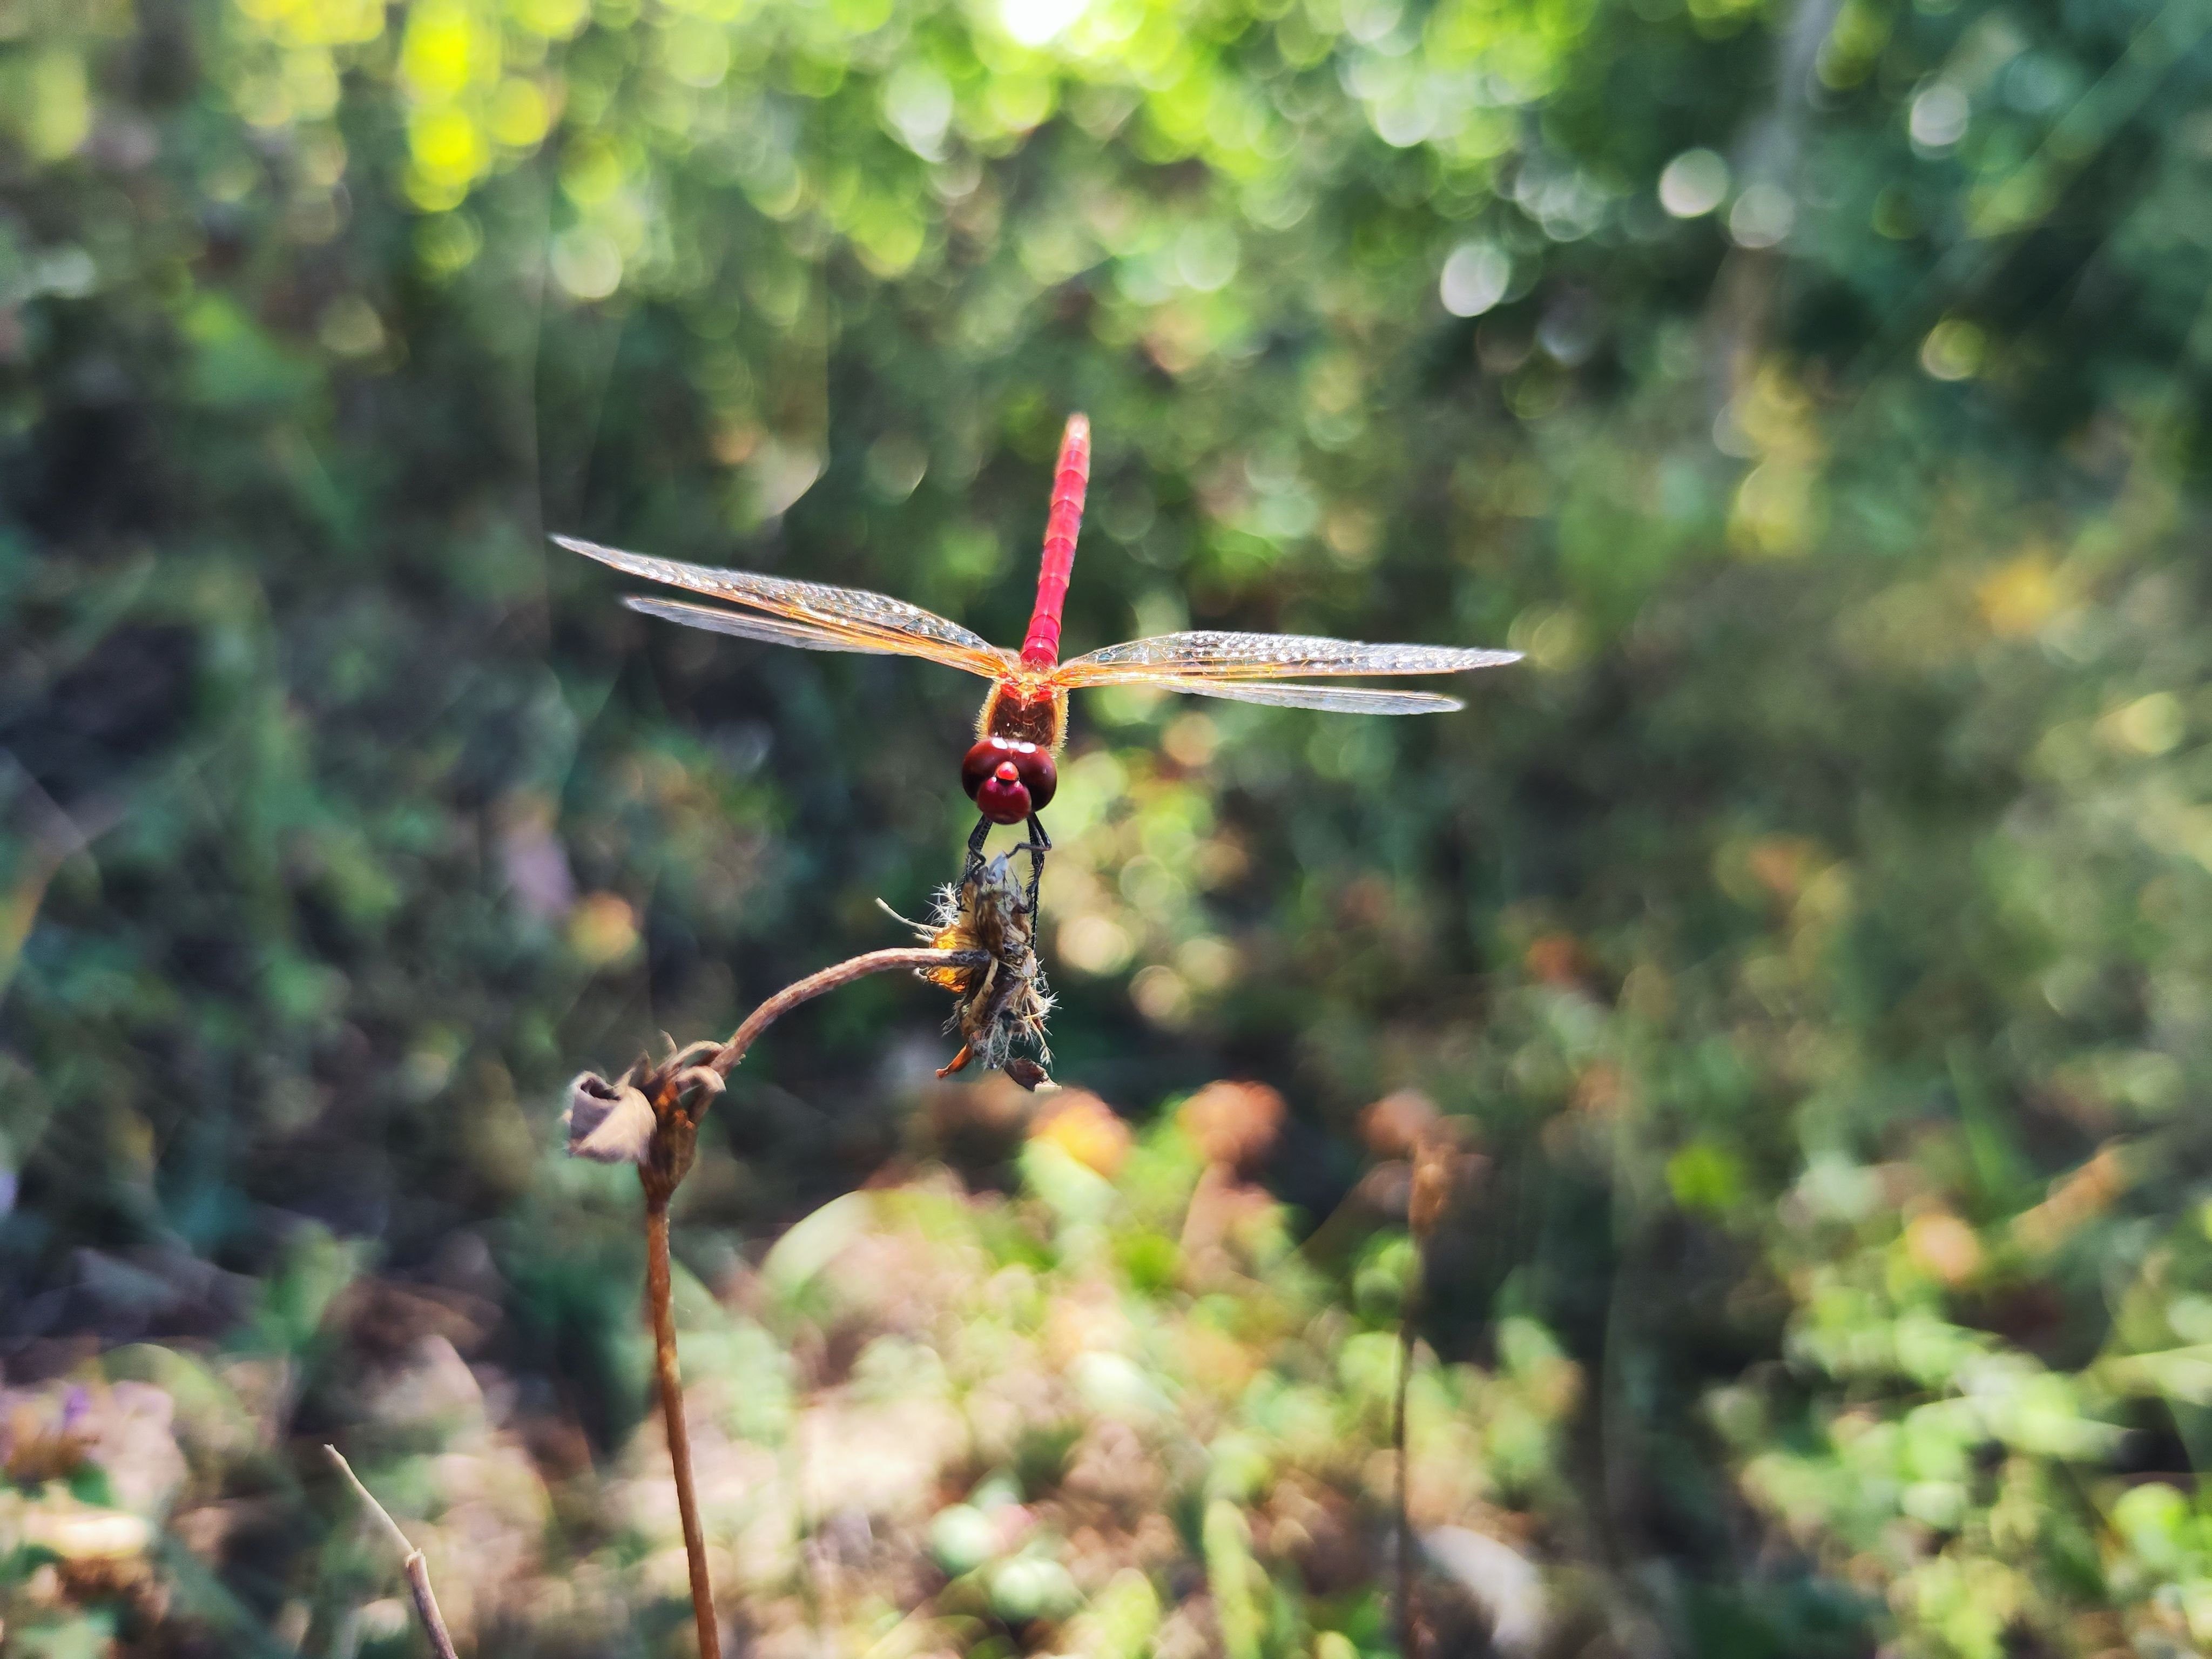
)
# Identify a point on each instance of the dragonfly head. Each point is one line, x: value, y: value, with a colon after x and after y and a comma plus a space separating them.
x: 1007, y: 779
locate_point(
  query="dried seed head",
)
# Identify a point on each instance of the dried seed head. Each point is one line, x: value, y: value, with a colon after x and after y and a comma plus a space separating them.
x: 1004, y: 1001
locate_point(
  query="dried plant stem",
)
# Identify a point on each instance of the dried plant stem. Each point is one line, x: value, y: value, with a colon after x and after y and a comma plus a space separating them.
x: 418, y: 1574
x: 661, y: 1175
x: 831, y: 979
x: 672, y: 1412
x: 1408, y: 1313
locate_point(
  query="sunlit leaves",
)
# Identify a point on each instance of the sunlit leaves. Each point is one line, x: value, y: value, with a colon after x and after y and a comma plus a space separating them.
x: 480, y: 93
x: 317, y: 23
x: 48, y: 102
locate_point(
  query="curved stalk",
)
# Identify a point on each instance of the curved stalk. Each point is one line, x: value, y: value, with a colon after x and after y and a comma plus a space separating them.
x: 661, y: 1172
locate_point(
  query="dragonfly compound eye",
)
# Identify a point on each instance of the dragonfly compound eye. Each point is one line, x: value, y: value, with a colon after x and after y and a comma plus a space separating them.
x: 1033, y: 765
x: 991, y: 774
x: 1008, y: 779
x: 979, y: 763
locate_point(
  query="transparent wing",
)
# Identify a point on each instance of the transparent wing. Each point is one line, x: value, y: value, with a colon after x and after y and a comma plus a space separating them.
x: 751, y: 626
x: 1268, y: 656
x: 1337, y: 699
x: 873, y: 622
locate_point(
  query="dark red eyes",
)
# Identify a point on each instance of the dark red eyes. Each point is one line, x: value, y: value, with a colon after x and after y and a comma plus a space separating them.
x: 1008, y: 780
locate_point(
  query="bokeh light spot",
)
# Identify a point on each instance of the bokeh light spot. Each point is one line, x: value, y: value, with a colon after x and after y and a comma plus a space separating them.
x: 1953, y: 350
x: 1474, y: 278
x: 918, y: 103
x: 1762, y: 217
x: 1695, y: 184
x: 603, y: 929
x: 586, y: 262
x: 1033, y: 23
x: 696, y: 52
x: 1094, y: 943
x: 1938, y: 118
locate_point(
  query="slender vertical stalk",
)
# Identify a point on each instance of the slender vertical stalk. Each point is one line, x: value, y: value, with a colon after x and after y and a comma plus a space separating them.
x: 671, y: 1380
x: 1408, y: 1312
x: 679, y: 1092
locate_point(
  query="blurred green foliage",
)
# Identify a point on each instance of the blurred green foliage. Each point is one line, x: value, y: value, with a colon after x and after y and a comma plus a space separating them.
x: 1811, y: 927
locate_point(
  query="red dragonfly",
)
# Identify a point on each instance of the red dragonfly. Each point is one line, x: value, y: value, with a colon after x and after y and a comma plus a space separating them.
x: 1010, y: 773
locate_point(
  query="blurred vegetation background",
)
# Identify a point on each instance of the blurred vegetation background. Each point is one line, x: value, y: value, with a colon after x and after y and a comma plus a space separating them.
x: 1811, y: 934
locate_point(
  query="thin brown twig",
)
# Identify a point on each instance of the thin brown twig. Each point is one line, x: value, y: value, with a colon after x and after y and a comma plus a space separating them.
x: 671, y: 1413
x: 1406, y: 1313
x: 661, y: 1175
x: 418, y: 1572
x: 831, y: 979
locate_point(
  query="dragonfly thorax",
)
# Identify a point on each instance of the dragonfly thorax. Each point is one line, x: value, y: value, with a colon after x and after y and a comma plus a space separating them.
x: 1025, y: 711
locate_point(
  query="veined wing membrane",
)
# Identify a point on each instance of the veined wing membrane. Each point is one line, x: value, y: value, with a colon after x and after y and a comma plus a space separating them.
x: 1336, y: 699
x: 1217, y: 656
x: 887, y: 624
x: 751, y: 625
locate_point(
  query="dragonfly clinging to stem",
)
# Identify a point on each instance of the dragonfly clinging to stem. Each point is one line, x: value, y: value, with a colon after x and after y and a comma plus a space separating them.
x: 1010, y: 771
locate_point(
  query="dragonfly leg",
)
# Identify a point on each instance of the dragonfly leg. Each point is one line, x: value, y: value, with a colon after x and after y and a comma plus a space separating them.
x: 1039, y: 844
x: 975, y: 840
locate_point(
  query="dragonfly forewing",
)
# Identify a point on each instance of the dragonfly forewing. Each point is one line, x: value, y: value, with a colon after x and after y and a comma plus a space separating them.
x: 875, y: 620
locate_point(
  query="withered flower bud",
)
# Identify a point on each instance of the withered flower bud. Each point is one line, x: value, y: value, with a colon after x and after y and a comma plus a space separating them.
x: 1442, y: 1166
x: 608, y: 1122
x: 1030, y: 1075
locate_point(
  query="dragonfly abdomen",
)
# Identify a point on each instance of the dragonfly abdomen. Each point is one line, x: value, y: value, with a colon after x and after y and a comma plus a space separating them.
x: 1071, y: 477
